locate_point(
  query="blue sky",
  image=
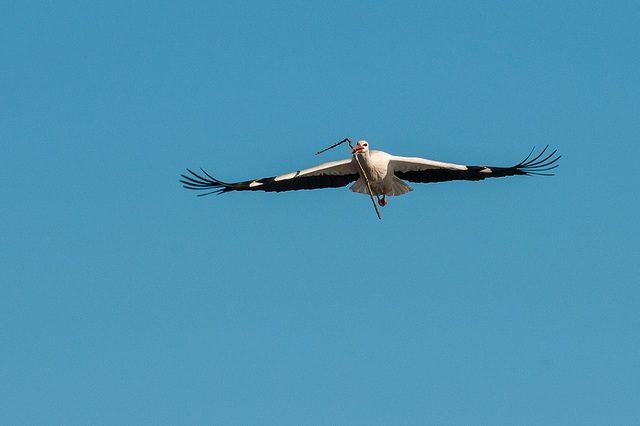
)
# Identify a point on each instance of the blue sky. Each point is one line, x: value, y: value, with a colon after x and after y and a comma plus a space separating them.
x: 125, y: 299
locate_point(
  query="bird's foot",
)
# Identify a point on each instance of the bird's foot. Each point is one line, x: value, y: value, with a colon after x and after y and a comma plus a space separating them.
x: 382, y: 201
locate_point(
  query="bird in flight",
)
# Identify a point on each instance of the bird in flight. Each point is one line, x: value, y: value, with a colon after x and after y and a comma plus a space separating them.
x: 384, y: 174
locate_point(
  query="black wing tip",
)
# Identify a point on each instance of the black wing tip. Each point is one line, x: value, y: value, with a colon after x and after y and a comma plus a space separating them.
x: 199, y: 183
x: 535, y: 166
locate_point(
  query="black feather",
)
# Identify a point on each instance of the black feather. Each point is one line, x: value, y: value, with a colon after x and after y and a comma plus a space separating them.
x: 529, y: 166
x: 199, y: 183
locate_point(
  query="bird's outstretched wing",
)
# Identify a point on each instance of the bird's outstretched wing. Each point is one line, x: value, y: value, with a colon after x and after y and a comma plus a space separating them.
x: 328, y: 175
x: 415, y: 169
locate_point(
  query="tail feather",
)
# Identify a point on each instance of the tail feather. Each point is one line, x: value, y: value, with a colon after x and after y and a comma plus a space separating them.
x: 395, y: 187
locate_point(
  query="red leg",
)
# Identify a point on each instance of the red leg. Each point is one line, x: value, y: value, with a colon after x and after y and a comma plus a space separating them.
x: 382, y: 201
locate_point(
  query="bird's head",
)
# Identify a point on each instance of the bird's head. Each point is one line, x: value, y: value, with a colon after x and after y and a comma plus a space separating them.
x: 360, y: 148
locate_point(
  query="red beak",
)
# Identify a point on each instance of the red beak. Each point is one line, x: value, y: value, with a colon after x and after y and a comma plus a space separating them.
x: 356, y: 148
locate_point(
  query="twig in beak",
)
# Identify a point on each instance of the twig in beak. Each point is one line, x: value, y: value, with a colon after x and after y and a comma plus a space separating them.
x: 334, y: 145
x: 364, y: 174
x: 366, y: 179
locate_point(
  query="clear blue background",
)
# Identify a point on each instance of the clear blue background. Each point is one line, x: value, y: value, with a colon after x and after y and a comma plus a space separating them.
x: 125, y: 299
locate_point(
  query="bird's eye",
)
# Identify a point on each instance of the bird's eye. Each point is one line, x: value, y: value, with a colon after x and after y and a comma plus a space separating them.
x: 364, y: 144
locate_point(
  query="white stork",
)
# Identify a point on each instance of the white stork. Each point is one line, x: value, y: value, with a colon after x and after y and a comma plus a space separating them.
x: 386, y: 174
